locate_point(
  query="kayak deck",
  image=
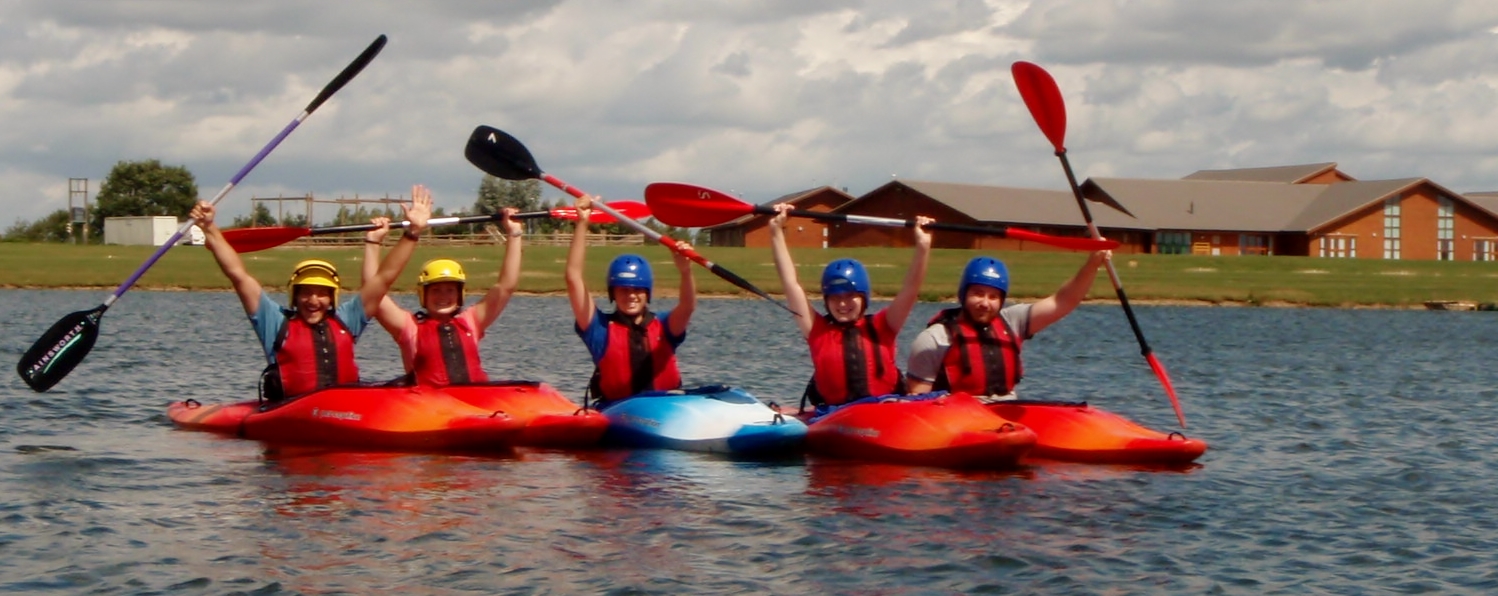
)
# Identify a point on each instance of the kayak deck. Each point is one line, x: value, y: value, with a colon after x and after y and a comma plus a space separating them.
x: 712, y: 419
x: 953, y: 431
x: 406, y: 418
x: 1077, y: 432
x: 551, y: 420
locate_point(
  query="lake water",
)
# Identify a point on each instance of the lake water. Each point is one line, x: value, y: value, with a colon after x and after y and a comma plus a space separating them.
x: 1352, y: 451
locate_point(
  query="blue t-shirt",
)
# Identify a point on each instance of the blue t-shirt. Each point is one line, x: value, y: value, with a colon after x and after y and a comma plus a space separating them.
x: 596, y: 336
x: 270, y: 317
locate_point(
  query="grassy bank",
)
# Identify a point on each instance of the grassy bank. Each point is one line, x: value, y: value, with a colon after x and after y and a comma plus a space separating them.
x: 1246, y: 280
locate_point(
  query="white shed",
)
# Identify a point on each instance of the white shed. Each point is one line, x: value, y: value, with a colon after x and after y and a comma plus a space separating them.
x: 152, y: 230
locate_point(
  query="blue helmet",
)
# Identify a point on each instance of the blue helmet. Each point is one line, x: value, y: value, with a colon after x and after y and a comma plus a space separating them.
x: 845, y: 275
x: 630, y: 271
x: 984, y: 271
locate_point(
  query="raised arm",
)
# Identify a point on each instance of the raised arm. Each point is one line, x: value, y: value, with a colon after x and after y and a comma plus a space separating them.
x: 390, y: 315
x: 1066, y: 299
x: 577, y: 289
x: 246, y: 286
x: 795, y: 295
x: 910, y: 292
x: 375, y: 287
x: 681, y: 315
x: 488, y: 309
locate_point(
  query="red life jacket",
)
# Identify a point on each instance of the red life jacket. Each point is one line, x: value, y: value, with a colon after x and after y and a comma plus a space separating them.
x: 311, y: 357
x: 446, y: 353
x: 979, y: 361
x: 638, y: 359
x: 851, y: 361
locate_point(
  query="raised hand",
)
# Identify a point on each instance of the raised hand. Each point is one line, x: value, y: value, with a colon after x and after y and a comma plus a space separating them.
x: 419, y: 210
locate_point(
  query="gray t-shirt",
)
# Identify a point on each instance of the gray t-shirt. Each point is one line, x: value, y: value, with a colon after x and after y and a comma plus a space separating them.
x: 930, y: 347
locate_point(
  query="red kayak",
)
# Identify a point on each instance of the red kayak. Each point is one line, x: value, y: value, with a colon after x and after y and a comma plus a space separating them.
x: 1077, y: 432
x: 951, y: 431
x: 404, y: 418
x: 551, y: 420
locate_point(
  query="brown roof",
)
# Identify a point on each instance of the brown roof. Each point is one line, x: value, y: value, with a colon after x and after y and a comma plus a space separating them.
x: 1284, y: 174
x: 1203, y: 204
x: 1344, y: 198
x: 1487, y: 200
x: 1198, y: 205
x: 998, y: 203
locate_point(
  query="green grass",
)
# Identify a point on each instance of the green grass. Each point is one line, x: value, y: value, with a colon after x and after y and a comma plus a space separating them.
x: 1247, y: 280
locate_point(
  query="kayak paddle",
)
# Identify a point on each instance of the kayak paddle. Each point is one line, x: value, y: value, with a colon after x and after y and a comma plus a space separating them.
x: 64, y: 345
x: 1043, y: 98
x: 498, y: 154
x: 253, y: 239
x: 692, y: 206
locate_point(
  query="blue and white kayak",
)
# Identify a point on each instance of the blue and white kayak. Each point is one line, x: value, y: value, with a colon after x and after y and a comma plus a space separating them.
x: 713, y: 419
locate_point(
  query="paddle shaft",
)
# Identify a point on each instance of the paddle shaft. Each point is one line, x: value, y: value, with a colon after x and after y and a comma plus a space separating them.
x: 62, y: 347
x: 332, y: 87
x: 1002, y: 232
x: 1123, y: 298
x: 434, y: 222
x: 717, y: 270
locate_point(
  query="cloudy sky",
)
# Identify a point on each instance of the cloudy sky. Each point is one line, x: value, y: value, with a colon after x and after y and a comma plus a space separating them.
x: 756, y: 97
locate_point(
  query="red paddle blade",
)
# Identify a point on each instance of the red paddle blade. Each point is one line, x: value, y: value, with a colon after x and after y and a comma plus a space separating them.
x: 253, y: 239
x: 1170, y: 389
x: 630, y: 209
x: 1043, y: 98
x: 692, y: 206
x: 1067, y: 242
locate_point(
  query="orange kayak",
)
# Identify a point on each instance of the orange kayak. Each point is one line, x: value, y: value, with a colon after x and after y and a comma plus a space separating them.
x: 551, y: 420
x: 952, y: 431
x: 1077, y: 432
x: 403, y: 418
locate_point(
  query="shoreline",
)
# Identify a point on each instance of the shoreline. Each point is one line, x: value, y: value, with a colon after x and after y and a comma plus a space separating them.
x: 666, y: 293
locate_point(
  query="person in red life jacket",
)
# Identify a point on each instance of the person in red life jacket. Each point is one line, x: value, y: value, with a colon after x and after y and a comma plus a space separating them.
x: 852, y: 352
x: 975, y: 348
x: 439, y: 343
x: 310, y: 345
x: 633, y: 349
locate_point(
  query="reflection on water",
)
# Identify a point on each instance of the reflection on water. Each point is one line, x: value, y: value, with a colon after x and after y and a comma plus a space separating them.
x: 1350, y: 454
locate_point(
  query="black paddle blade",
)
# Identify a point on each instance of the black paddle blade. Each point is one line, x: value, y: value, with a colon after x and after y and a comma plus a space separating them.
x: 348, y: 74
x: 60, y: 349
x: 498, y: 154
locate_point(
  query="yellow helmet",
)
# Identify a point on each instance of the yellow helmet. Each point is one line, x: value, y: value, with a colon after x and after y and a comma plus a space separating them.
x: 437, y: 271
x: 315, y: 272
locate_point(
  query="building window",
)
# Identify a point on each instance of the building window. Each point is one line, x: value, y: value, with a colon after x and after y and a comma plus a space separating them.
x: 1173, y: 243
x: 1339, y: 247
x: 1391, y: 228
x: 1253, y: 244
x: 1445, y: 229
x: 1485, y: 250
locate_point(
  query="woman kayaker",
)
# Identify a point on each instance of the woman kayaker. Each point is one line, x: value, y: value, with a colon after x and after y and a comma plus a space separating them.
x: 852, y: 352
x: 439, y: 343
x: 633, y: 349
x: 310, y: 345
x: 975, y: 348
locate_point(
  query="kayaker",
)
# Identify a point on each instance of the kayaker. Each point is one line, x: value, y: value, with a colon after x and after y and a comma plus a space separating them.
x: 439, y: 343
x: 633, y: 349
x: 975, y: 348
x: 852, y: 352
x: 310, y: 345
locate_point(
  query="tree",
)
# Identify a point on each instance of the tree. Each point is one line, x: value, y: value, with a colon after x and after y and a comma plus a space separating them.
x: 495, y: 194
x: 144, y: 188
x: 259, y: 217
x: 52, y: 228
